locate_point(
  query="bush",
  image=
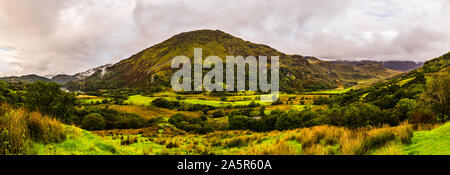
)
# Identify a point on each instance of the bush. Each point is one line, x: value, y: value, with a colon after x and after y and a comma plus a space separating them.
x: 358, y: 115
x: 376, y: 141
x: 240, y: 141
x: 116, y: 120
x: 422, y: 116
x: 18, y: 128
x: 320, y: 101
x: 218, y: 113
x: 287, y: 121
x: 404, y: 107
x: 238, y: 122
x: 93, y: 122
x: 44, y: 129
x: 48, y: 99
x: 164, y: 103
x: 155, y: 121
x: 198, y: 125
x: 172, y: 144
x: 13, y: 136
x: 278, y: 102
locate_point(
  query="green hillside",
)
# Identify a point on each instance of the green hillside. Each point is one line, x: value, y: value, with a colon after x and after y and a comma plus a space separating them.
x: 25, y: 79
x: 150, y: 68
x: 434, y: 142
x: 357, y: 73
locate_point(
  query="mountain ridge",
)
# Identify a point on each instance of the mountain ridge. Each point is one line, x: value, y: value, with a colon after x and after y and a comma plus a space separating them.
x: 402, y: 66
x: 30, y: 78
x: 151, y: 66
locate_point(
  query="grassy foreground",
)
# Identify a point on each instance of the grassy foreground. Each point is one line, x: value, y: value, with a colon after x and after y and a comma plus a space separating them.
x: 24, y: 132
x: 434, y: 142
x: 319, y: 140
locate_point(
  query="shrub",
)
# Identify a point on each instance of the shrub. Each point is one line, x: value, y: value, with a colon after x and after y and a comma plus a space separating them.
x: 422, y: 116
x: 194, y: 124
x: 93, y: 122
x: 403, y: 108
x: 129, y: 140
x: 114, y: 119
x: 240, y: 141
x: 164, y: 103
x: 44, y: 129
x: 376, y: 141
x: 155, y: 121
x: 238, y: 122
x: 13, y: 137
x: 172, y: 144
x: 48, y: 99
x: 18, y: 128
x: 278, y: 102
x: 218, y: 113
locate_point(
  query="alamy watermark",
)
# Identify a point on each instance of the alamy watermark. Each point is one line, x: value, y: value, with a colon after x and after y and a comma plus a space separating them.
x: 181, y: 80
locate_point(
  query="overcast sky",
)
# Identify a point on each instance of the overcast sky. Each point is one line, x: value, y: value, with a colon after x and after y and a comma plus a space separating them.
x: 52, y: 36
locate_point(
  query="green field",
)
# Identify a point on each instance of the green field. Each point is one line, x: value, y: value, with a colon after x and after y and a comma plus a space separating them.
x: 139, y: 100
x: 333, y: 91
x: 91, y: 100
x: 81, y: 142
x: 434, y: 142
x: 143, y: 100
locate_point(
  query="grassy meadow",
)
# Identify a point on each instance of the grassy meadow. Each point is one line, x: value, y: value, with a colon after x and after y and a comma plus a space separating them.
x: 51, y: 137
x: 320, y: 140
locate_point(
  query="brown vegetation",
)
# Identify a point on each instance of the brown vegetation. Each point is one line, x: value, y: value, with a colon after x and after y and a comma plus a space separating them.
x: 19, y: 128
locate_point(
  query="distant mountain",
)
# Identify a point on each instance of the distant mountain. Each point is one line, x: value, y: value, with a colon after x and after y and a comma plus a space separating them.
x: 101, y: 70
x: 355, y: 70
x: 411, y: 85
x: 63, y: 78
x: 151, y: 67
x: 60, y: 79
x: 26, y: 79
x: 402, y: 66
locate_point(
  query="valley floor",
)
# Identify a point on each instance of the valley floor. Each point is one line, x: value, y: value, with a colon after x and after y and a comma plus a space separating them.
x: 405, y: 139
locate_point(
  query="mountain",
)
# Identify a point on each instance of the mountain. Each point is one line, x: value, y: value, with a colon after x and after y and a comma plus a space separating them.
x: 151, y: 67
x: 412, y: 85
x: 26, y: 79
x: 439, y: 64
x: 85, y: 74
x: 63, y: 78
x: 60, y: 78
x: 401, y: 66
x: 359, y: 71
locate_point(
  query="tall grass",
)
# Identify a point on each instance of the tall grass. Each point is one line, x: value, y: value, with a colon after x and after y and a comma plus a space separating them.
x: 45, y: 129
x: 13, y: 137
x: 19, y: 128
x: 338, y: 140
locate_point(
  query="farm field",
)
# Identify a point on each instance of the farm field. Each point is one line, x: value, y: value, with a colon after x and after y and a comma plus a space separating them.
x: 141, y: 105
x: 148, y: 111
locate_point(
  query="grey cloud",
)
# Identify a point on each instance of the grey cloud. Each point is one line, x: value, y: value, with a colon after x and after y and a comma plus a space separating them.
x: 53, y: 36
